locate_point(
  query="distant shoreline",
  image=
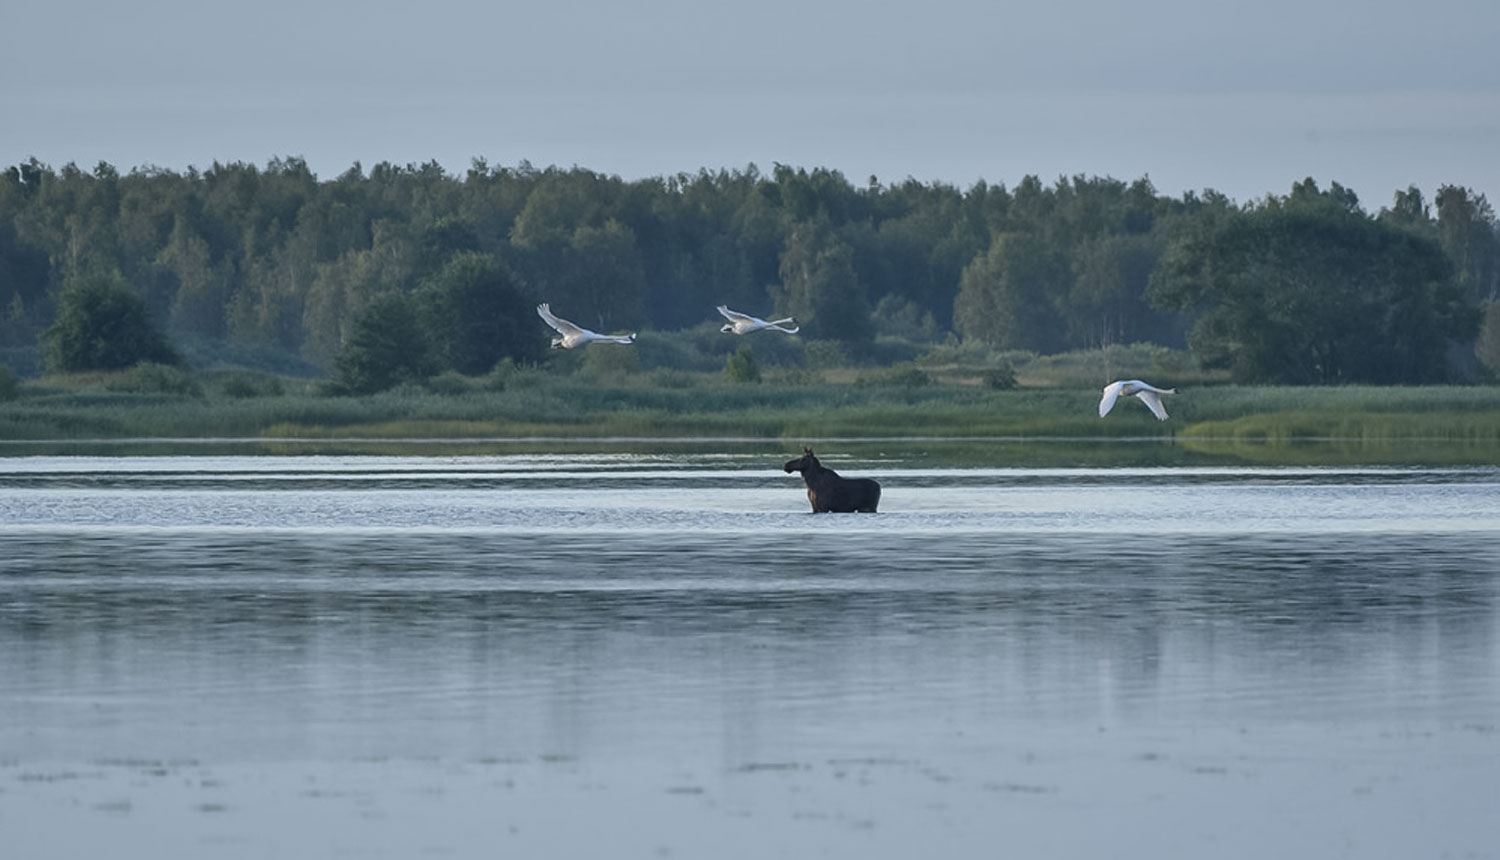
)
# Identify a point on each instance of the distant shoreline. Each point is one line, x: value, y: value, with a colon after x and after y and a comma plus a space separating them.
x: 1417, y: 425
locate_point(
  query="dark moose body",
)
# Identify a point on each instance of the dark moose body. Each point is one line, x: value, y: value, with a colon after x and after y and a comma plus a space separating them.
x: 830, y: 492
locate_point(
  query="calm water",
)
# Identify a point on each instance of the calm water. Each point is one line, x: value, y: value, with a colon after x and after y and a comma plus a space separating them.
x: 632, y: 656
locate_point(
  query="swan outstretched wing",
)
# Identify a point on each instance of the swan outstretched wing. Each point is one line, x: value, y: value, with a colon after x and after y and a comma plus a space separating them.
x: 1107, y: 402
x: 1153, y: 402
x: 735, y: 316
x: 563, y: 327
x: 1149, y: 395
x: 744, y: 323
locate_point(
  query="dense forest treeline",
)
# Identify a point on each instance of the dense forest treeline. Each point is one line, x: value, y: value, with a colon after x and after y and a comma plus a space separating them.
x: 398, y: 272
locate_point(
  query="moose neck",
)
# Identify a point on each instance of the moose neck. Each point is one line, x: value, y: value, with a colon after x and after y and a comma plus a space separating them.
x: 812, y: 467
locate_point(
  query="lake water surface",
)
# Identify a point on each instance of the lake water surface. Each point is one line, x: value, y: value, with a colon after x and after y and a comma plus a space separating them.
x: 624, y: 655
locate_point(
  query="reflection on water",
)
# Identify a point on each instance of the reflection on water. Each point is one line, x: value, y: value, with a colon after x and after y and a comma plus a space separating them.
x: 239, y: 656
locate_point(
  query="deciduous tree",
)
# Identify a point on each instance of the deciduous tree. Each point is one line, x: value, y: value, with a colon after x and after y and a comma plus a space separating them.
x: 819, y: 285
x: 386, y: 347
x: 1309, y: 289
x: 101, y: 325
x: 1008, y: 297
x: 474, y: 315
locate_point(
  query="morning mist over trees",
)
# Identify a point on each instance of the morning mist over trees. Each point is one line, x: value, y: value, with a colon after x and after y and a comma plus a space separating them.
x: 398, y: 273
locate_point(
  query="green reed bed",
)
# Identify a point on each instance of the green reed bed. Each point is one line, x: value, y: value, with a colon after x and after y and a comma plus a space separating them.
x: 692, y: 405
x: 1438, y: 425
x: 1354, y: 413
x: 757, y: 412
x: 1229, y: 402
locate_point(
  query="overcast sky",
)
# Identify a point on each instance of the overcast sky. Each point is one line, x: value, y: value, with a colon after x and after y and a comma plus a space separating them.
x: 1245, y: 98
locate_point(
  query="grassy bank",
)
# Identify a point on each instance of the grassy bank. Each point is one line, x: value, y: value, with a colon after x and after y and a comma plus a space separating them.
x: 1235, y: 423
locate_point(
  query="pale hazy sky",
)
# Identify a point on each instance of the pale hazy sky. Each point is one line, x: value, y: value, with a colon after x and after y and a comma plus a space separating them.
x: 1244, y: 97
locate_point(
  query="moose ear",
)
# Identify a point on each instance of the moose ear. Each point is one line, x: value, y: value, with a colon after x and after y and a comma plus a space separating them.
x: 806, y: 450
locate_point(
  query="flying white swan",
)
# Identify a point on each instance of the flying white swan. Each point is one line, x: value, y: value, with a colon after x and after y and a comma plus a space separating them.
x: 1149, y: 395
x: 575, y: 335
x: 744, y: 323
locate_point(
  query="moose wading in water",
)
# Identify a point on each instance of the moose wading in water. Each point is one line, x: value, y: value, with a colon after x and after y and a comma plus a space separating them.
x: 829, y: 492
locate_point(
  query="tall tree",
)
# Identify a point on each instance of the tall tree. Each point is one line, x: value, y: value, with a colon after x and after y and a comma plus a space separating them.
x: 474, y: 314
x: 1470, y: 235
x: 1008, y: 296
x: 1107, y: 303
x: 340, y: 290
x: 101, y: 325
x: 819, y: 285
x: 386, y: 346
x: 1309, y: 289
x: 602, y: 276
x: 199, y: 300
